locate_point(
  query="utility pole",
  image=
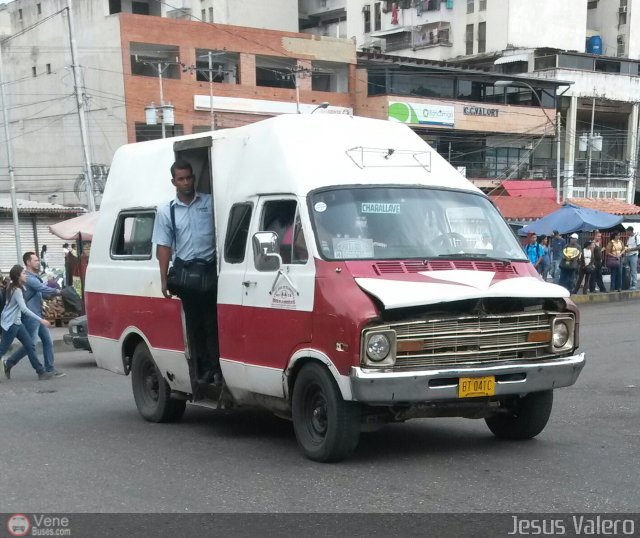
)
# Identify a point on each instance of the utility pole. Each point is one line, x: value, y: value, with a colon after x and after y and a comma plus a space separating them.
x: 210, y: 73
x: 80, y: 98
x: 558, y: 180
x: 296, y: 74
x: 160, y: 66
x: 590, y: 149
x: 12, y: 177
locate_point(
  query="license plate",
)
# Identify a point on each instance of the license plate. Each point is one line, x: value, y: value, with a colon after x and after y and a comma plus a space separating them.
x: 473, y: 387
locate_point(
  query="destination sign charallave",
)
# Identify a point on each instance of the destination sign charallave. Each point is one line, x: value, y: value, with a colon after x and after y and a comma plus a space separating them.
x: 480, y: 111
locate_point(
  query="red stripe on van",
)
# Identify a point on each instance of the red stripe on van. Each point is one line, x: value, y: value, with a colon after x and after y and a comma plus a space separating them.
x: 157, y: 318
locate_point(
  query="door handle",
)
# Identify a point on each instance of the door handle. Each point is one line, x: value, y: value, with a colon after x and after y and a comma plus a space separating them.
x: 249, y: 283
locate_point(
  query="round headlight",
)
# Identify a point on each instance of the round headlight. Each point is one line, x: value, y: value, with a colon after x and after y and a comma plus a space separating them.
x: 560, y: 334
x: 378, y: 347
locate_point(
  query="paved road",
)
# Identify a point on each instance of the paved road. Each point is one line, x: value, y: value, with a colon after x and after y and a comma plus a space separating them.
x: 77, y: 444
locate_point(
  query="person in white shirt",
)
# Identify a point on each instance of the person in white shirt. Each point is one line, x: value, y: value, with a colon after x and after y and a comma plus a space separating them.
x: 633, y: 243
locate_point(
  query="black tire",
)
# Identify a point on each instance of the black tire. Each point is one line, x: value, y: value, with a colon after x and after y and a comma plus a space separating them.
x: 150, y: 390
x: 327, y: 428
x: 530, y: 416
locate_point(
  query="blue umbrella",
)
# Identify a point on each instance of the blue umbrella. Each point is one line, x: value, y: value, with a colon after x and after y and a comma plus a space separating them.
x: 572, y: 218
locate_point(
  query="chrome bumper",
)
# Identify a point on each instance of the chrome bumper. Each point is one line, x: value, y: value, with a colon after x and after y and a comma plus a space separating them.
x: 376, y: 387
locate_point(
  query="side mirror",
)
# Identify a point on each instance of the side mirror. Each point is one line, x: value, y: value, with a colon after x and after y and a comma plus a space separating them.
x: 266, y: 251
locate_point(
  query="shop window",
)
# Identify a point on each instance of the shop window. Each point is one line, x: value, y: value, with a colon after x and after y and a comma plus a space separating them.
x: 482, y: 37
x: 146, y: 57
x: 235, y: 244
x: 132, y: 235
x: 275, y: 72
x: 225, y: 66
x: 468, y: 39
x: 329, y: 77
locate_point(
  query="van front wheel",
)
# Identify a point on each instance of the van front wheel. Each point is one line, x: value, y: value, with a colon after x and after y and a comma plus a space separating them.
x: 150, y: 390
x: 528, y: 418
x: 327, y: 428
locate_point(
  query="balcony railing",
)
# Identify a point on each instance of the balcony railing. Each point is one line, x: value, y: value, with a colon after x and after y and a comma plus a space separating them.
x: 600, y: 168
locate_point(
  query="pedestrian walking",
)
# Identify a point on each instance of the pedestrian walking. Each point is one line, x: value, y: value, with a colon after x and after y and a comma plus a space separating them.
x: 556, y: 245
x: 615, y: 252
x: 11, y: 322
x: 633, y: 244
x: 533, y: 250
x: 35, y: 290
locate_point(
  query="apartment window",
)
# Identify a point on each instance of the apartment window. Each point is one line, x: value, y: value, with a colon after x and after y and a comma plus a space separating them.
x: 48, y: 69
x: 366, y: 12
x: 468, y: 39
x: 592, y: 4
x: 483, y: 5
x: 115, y: 6
x: 470, y: 6
x: 34, y: 71
x: 377, y: 16
x: 330, y: 77
x: 146, y: 132
x: 146, y: 57
x: 203, y: 15
x: 19, y: 14
x: 482, y: 37
x: 225, y: 65
x: 132, y: 235
x: 39, y: 8
x: 210, y: 14
x: 622, y: 16
x: 139, y: 8
x: 275, y: 72
x: 621, y: 48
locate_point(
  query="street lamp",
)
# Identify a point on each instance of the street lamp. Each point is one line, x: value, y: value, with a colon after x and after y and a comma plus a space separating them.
x: 556, y: 124
x: 324, y: 104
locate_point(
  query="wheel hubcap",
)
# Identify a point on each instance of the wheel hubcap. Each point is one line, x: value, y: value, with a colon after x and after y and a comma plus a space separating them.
x: 316, y: 412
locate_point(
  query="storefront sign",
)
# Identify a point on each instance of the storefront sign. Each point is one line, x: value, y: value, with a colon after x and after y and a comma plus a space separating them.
x: 261, y: 106
x: 480, y: 111
x: 421, y: 113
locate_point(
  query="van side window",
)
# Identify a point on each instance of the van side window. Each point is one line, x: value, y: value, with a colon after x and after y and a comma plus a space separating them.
x: 235, y: 243
x: 281, y: 216
x: 132, y: 235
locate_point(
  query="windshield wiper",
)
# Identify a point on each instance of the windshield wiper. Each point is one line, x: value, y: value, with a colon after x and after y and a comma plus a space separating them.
x: 466, y: 255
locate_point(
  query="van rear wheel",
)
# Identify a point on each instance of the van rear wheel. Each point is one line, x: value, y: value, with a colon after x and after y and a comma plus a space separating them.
x: 327, y: 428
x: 528, y: 418
x: 150, y: 390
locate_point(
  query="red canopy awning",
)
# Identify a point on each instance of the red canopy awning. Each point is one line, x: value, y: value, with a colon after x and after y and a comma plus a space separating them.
x: 81, y: 227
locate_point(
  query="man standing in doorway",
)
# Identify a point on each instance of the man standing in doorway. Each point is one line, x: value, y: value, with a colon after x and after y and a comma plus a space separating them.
x: 184, y: 233
x: 556, y: 246
x: 34, y: 292
x: 633, y: 243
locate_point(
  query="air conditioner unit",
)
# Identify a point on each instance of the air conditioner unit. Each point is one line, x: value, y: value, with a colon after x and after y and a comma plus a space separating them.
x: 623, y: 9
x: 620, y: 39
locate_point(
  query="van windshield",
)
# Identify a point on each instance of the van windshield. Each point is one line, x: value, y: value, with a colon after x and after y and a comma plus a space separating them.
x: 394, y: 222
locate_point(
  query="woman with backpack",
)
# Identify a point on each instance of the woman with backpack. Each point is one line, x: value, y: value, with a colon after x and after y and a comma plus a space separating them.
x: 11, y: 322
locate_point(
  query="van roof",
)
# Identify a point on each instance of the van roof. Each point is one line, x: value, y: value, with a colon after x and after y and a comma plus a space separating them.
x: 297, y: 153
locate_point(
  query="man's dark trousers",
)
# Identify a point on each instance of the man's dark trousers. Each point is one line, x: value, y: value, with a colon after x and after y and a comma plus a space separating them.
x: 201, y: 315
